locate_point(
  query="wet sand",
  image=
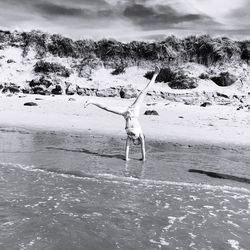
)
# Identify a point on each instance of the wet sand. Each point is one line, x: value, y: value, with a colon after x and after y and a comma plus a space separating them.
x: 75, y: 191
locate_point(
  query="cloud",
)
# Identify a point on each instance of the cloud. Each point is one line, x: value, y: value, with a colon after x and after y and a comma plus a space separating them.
x: 217, y: 8
x: 125, y: 18
x: 79, y: 3
x: 51, y: 9
x: 239, y: 17
x: 160, y: 16
x: 99, y: 3
x: 84, y: 13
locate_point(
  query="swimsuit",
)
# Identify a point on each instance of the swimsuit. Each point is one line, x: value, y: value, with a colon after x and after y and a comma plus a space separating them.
x: 133, y: 132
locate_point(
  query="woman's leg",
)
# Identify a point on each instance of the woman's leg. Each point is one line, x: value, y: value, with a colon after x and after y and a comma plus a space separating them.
x: 112, y: 110
x: 138, y: 102
x: 127, y: 149
x: 143, y: 150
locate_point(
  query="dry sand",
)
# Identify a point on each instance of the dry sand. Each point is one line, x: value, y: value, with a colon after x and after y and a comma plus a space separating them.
x: 176, y: 121
x: 213, y: 124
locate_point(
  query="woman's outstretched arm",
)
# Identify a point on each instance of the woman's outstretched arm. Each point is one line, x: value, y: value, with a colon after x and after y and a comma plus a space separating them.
x: 112, y: 110
x: 138, y: 102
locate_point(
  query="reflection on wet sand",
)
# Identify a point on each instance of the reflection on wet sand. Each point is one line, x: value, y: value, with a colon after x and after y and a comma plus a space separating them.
x: 86, y: 151
x: 104, y: 154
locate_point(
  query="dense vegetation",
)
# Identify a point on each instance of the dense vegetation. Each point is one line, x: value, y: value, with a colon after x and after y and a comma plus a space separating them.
x: 48, y: 67
x: 175, y: 79
x: 200, y: 49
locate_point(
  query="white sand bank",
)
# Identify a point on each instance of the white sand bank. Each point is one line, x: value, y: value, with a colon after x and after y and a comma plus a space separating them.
x: 176, y: 122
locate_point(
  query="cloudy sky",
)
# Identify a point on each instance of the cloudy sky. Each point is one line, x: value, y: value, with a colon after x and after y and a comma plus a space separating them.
x: 128, y: 19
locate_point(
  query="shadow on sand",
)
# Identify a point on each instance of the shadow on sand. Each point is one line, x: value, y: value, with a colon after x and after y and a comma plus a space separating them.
x: 220, y: 176
x: 86, y: 151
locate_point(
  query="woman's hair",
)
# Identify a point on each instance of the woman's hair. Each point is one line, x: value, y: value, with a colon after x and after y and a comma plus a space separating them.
x: 137, y: 141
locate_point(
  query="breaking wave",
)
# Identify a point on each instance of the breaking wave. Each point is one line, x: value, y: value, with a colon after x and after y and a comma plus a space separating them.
x: 119, y: 179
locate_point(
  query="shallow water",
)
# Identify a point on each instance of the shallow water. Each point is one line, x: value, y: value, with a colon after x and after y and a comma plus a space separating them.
x: 75, y: 191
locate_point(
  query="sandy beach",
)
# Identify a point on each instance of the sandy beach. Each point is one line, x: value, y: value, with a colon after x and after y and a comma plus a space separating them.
x: 64, y: 181
x: 176, y: 121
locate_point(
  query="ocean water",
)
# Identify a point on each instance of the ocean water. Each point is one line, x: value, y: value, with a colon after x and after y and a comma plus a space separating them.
x: 75, y: 191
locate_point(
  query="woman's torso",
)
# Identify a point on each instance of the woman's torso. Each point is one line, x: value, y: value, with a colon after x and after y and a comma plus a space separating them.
x: 133, y: 128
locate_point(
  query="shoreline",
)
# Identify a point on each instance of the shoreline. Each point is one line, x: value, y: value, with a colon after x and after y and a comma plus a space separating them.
x: 181, y: 142
x: 216, y: 125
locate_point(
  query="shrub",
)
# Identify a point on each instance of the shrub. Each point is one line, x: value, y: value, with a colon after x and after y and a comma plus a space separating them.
x: 200, y: 49
x: 87, y: 65
x: 120, y: 68
x: 245, y: 51
x: 175, y: 80
x: 207, y: 51
x: 204, y: 76
x: 37, y: 39
x: 47, y: 67
x: 62, y: 46
x: 224, y: 79
x: 84, y: 48
x: 183, y: 81
x: 165, y: 75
